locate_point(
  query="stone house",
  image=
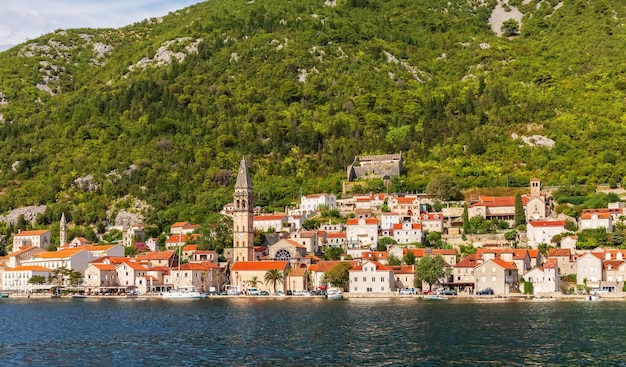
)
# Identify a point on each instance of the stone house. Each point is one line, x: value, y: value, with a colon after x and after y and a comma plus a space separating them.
x: 499, y: 275
x: 544, y: 279
x: 242, y: 272
x: 37, y: 238
x: 100, y: 275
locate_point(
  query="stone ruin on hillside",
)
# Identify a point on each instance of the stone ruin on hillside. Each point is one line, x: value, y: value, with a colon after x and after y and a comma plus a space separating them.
x: 375, y: 166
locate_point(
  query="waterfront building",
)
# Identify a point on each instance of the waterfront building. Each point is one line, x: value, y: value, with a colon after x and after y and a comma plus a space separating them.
x: 318, y: 269
x: 199, y: 276
x: 160, y: 258
x: 463, y: 279
x: 130, y: 274
x: 499, y: 275
x: 100, y: 276
x: 565, y: 260
x: 404, y: 276
x: 589, y: 270
x: 520, y: 257
x: 14, y: 259
x: 545, y: 279
x: 16, y: 279
x: 242, y: 272
x: 371, y: 277
x: 74, y: 259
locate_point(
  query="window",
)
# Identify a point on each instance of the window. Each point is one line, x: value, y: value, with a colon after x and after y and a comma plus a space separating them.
x: 373, y: 279
x: 356, y: 279
x: 369, y: 289
x: 493, y: 278
x: 365, y: 279
x: 382, y: 289
x: 382, y: 279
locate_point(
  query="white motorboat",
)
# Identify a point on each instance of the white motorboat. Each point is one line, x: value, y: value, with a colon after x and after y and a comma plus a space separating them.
x: 183, y: 294
x: 334, y: 294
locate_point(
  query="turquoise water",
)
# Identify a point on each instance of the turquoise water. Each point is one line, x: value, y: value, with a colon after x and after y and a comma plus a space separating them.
x: 310, y: 332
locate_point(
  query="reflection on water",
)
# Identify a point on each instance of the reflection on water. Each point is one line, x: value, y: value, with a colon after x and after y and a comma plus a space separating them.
x: 309, y: 332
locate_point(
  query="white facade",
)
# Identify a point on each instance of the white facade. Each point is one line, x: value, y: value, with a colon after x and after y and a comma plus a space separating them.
x: 362, y: 232
x: 596, y: 221
x: 264, y: 223
x: 589, y: 270
x: 408, y: 232
x: 388, y: 220
x: 17, y: 279
x: 544, y: 280
x: 542, y: 231
x: 74, y: 259
x: 372, y: 277
x: 312, y: 203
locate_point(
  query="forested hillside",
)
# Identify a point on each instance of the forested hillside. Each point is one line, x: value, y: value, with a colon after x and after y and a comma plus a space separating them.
x: 164, y: 109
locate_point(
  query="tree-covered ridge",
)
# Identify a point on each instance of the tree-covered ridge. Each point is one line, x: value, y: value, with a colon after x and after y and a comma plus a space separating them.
x: 302, y: 89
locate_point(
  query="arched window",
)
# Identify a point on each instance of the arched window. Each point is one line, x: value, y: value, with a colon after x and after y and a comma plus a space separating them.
x: 283, y: 255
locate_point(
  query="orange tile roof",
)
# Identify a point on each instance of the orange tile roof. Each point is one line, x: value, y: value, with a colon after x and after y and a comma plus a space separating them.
x: 587, y: 216
x: 562, y: 252
x: 547, y: 223
x: 258, y: 218
x: 203, y: 266
x: 29, y: 268
x: 133, y: 265
x: 468, y: 261
x: 431, y: 216
x: 22, y: 250
x: 178, y: 224
x: 259, y: 265
x: 104, y: 267
x: 505, y: 264
x: 613, y: 263
x: 31, y: 233
x: 59, y: 254
x: 295, y: 244
x: 405, y: 200
x: 368, y: 221
x: 297, y: 272
x: 550, y: 264
x: 190, y: 248
x: 98, y: 247
x: 158, y: 255
x: 326, y: 265
x: 379, y: 266
x: 111, y: 259
x: 402, y: 269
x: 336, y: 235
x: 371, y: 254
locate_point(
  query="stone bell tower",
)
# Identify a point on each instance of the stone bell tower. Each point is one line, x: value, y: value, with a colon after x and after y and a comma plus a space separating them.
x: 243, y: 215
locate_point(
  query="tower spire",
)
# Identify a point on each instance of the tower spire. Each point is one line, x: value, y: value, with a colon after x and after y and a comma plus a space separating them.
x: 63, y: 230
x: 243, y: 177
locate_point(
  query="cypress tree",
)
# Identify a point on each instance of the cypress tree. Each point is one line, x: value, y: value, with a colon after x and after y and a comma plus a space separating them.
x: 520, y: 216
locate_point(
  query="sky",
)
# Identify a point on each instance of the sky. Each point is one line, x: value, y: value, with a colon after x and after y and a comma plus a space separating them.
x: 21, y: 20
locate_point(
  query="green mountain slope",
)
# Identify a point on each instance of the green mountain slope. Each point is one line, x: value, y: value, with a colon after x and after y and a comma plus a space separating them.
x: 88, y: 116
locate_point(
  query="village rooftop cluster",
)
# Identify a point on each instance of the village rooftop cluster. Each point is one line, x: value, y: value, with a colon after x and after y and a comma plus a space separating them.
x: 295, y: 254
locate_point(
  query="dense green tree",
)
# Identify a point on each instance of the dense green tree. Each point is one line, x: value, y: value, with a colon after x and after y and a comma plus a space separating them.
x: 409, y: 258
x: 37, y: 279
x: 338, y: 276
x: 443, y: 187
x: 431, y: 269
x: 333, y: 253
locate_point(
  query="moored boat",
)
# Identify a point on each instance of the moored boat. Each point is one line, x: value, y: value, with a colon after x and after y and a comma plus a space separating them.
x: 334, y: 294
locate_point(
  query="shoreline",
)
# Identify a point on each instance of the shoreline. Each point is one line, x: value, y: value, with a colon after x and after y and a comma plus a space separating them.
x: 510, y: 297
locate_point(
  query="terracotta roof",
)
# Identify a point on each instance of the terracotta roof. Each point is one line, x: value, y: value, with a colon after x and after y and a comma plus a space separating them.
x: 29, y: 268
x: 106, y: 267
x: 111, y: 259
x: 98, y: 247
x: 190, y: 248
x: 533, y: 253
x: 22, y: 250
x: 158, y: 255
x: 379, y: 266
x: 295, y: 244
x: 297, y: 272
x: 336, y: 235
x: 133, y: 265
x: 312, y: 257
x: 518, y: 254
x: 326, y: 265
x: 588, y: 216
x: 178, y: 224
x: 405, y: 200
x: 547, y: 223
x: 258, y: 218
x: 259, y: 265
x: 59, y: 254
x: 402, y: 269
x: 550, y: 264
x: 468, y: 261
x: 613, y: 263
x: 31, y: 233
x: 559, y: 252
x: 368, y: 221
x: 159, y: 268
x: 371, y: 254
x: 431, y: 216
x: 203, y: 266
x: 505, y: 264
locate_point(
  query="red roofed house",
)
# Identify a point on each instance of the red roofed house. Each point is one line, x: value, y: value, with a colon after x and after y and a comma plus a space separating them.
x: 16, y: 279
x: 38, y: 238
x: 463, y: 274
x: 362, y: 232
x: 499, y: 275
x: 380, y: 256
x: 387, y: 220
x: 99, y: 276
x: 596, y: 220
x: 200, y: 276
x: 545, y: 279
x: 449, y: 255
x: 565, y: 260
x: 405, y: 206
x: 604, y: 270
x: 336, y: 239
x: 371, y: 277
x: 521, y: 257
x: 183, y: 228
x: 309, y: 239
x: 405, y: 276
x: 408, y: 232
x: 542, y: 231
x: 74, y: 258
x: 274, y: 222
x: 432, y: 222
x: 243, y: 271
x: 14, y: 259
x: 130, y: 275
x: 160, y: 258
x: 298, y: 279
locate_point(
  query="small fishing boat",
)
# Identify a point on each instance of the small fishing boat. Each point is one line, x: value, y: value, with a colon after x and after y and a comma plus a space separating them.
x: 334, y: 294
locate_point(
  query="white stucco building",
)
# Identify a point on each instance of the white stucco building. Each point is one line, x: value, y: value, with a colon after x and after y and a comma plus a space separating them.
x: 38, y: 238
x: 371, y: 277
x: 542, y: 231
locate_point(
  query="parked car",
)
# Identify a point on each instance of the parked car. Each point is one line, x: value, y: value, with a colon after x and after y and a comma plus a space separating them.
x: 486, y: 291
x: 449, y: 292
x: 252, y: 292
x: 279, y: 293
x: 406, y: 291
x: 289, y: 293
x: 264, y: 293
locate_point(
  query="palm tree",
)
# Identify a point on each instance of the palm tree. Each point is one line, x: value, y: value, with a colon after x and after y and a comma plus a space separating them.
x: 307, y: 279
x: 274, y: 276
x: 254, y: 281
